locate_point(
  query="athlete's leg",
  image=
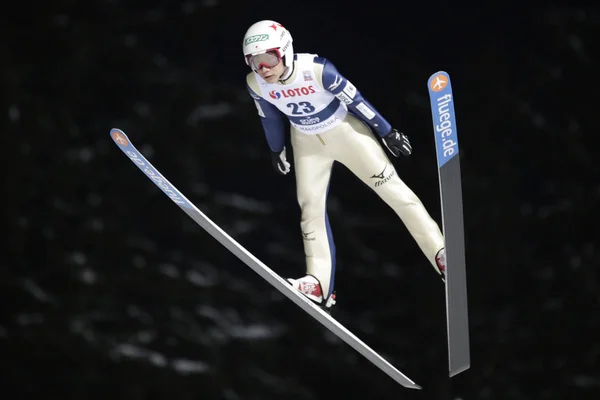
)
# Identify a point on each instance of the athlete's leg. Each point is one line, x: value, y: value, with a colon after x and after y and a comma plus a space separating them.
x: 313, y: 165
x: 362, y: 154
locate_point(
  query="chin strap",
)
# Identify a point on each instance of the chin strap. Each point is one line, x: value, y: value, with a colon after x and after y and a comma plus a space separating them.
x: 288, y: 72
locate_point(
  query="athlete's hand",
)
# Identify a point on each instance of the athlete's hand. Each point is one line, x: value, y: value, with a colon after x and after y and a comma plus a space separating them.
x: 280, y: 162
x: 397, y: 142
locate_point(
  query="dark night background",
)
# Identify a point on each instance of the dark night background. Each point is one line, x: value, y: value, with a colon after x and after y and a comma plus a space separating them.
x: 109, y: 291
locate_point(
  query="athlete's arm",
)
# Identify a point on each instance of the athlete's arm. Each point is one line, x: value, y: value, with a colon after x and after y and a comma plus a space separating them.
x: 271, y: 120
x: 339, y: 86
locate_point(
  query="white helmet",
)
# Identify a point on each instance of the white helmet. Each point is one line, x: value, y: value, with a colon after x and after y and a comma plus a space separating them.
x: 269, y: 35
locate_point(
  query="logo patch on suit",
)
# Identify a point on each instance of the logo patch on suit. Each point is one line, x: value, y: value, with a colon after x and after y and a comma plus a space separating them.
x: 383, y: 177
x: 307, y: 236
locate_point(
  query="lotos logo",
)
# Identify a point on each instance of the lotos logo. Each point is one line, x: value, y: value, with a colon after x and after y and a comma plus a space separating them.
x: 256, y: 38
x: 119, y: 138
x: 438, y: 83
x: 301, y: 91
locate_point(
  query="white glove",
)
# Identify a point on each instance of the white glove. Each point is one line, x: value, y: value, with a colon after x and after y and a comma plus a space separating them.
x: 280, y: 162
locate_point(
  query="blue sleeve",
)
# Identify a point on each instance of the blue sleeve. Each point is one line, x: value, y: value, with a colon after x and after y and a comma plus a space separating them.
x: 341, y: 88
x: 271, y: 120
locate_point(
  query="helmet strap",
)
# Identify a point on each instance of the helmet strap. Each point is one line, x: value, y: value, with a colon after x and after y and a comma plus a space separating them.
x: 287, y: 73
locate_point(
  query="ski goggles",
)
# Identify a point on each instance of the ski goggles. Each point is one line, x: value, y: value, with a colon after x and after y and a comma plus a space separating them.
x: 269, y: 59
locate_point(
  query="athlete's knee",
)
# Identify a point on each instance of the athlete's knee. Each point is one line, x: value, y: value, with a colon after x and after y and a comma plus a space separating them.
x: 396, y: 189
x: 312, y: 207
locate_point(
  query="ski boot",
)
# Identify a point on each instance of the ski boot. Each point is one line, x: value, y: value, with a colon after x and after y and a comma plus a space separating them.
x: 440, y: 260
x: 310, y: 287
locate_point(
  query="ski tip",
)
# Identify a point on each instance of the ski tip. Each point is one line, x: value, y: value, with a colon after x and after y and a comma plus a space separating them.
x: 438, y: 81
x: 119, y: 137
x: 441, y: 72
x: 414, y: 386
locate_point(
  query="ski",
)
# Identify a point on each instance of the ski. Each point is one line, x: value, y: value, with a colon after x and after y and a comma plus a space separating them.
x: 447, y: 151
x: 254, y: 263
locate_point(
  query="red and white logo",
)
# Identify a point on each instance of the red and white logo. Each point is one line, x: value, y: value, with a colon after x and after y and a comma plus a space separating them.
x: 310, y: 289
x: 296, y: 92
